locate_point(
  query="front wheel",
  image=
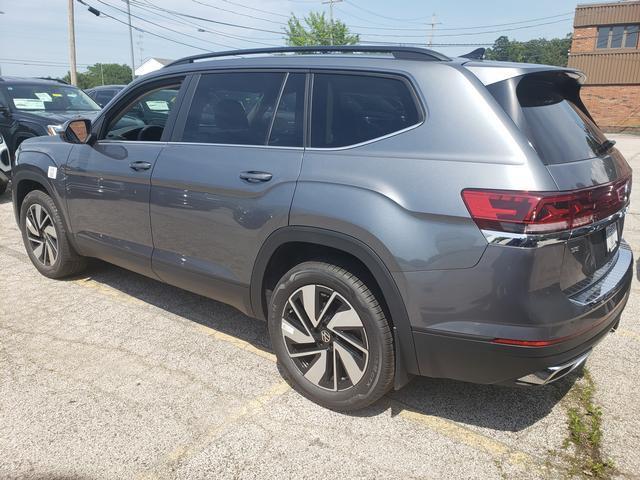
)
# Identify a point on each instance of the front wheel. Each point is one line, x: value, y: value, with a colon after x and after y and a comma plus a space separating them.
x: 331, y: 336
x: 45, y: 237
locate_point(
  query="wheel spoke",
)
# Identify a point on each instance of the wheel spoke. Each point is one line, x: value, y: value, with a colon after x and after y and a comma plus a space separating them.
x: 53, y: 250
x: 345, y: 319
x: 354, y: 372
x: 51, y: 231
x: 317, y: 369
x: 307, y: 353
x: 309, y: 303
x: 300, y: 317
x: 351, y: 342
x: 295, y: 334
x: 38, y: 215
x: 30, y: 227
x: 38, y: 251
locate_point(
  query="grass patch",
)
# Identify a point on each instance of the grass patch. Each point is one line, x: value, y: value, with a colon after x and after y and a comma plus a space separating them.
x: 585, y: 431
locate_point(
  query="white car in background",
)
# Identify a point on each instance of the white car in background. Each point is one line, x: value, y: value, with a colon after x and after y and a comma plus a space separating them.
x: 5, y: 165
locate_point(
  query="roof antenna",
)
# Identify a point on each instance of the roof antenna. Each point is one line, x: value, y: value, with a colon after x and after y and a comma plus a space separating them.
x: 477, y: 54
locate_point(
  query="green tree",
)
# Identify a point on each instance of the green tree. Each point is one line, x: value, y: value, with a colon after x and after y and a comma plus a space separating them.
x: 318, y: 31
x: 102, y: 74
x: 540, y: 50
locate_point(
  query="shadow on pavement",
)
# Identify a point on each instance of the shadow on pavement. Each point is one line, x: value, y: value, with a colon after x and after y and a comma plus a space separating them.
x: 494, y: 407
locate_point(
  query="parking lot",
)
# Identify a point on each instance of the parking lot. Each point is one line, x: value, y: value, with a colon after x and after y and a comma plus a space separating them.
x: 114, y: 376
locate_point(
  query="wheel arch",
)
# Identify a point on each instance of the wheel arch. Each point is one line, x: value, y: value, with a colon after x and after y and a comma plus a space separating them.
x: 406, y: 363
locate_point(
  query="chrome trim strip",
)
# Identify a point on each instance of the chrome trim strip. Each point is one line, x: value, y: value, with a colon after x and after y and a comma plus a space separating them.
x: 528, y: 240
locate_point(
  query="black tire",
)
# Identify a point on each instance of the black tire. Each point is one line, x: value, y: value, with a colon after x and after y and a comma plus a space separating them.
x: 67, y: 261
x: 3, y: 185
x: 378, y: 368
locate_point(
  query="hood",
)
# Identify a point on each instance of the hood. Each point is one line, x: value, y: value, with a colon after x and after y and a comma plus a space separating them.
x: 53, y: 118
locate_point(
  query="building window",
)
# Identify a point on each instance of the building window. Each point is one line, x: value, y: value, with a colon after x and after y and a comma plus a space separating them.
x: 618, y: 36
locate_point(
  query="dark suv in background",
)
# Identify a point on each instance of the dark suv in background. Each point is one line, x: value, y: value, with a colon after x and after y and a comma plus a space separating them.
x: 104, y: 93
x: 31, y: 107
x: 390, y: 214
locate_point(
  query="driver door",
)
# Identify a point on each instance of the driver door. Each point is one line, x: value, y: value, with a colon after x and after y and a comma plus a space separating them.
x: 108, y: 183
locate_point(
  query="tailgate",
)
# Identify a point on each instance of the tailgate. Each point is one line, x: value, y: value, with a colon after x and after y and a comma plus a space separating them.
x: 547, y: 108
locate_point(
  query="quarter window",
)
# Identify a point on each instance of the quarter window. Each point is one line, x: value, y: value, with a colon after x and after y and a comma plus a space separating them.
x: 233, y: 108
x: 618, y: 36
x: 351, y: 109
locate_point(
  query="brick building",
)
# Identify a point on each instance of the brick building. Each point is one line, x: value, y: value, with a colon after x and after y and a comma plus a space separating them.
x: 606, y: 47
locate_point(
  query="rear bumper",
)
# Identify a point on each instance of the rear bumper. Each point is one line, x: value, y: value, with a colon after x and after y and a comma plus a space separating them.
x: 477, y: 359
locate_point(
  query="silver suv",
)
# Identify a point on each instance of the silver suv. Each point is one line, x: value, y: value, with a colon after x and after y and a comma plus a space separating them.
x: 389, y: 211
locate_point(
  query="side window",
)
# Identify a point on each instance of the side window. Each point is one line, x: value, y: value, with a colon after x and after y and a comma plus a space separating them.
x: 288, y: 125
x: 350, y: 109
x: 146, y: 117
x: 233, y: 108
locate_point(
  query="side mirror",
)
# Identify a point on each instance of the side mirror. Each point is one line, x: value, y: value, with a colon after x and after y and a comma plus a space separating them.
x: 77, y: 131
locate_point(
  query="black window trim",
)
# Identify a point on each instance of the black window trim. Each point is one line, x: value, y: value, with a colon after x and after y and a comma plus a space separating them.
x: 185, y: 107
x: 104, y: 121
x: 408, y: 81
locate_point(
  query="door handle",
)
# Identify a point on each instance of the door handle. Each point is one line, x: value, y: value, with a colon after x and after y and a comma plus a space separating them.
x: 256, y: 177
x: 138, y: 166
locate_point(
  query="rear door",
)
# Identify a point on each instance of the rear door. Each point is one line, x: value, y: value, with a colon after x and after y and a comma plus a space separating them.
x: 226, y: 180
x: 108, y: 183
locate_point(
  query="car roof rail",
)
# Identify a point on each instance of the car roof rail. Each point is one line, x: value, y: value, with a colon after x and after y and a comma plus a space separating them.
x: 404, y: 53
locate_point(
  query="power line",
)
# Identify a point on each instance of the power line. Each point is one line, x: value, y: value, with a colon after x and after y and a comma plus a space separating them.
x: 165, y: 27
x: 153, y: 33
x: 149, y: 7
x: 237, y: 13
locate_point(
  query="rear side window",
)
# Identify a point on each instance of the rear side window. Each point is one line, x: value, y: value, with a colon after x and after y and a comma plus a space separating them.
x: 351, y: 109
x: 233, y: 108
x: 557, y: 128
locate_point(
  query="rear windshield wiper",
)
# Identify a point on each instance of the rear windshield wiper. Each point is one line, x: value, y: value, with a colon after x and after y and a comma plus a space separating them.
x: 605, y: 147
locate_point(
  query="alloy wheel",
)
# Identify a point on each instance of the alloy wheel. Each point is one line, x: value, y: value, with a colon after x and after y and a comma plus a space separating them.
x: 42, y: 235
x: 325, y: 338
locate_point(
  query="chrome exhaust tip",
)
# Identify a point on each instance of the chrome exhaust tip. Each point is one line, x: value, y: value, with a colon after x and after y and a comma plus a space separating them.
x: 552, y: 374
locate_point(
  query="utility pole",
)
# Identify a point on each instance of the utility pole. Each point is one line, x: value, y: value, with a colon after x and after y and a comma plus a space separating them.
x: 433, y: 27
x: 331, y: 2
x: 72, y: 45
x: 133, y: 66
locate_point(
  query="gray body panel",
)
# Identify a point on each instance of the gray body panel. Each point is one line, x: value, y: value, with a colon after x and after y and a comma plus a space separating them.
x: 395, y: 201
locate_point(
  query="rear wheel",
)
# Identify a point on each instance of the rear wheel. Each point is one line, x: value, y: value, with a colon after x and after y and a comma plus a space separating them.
x: 331, y: 336
x: 45, y: 237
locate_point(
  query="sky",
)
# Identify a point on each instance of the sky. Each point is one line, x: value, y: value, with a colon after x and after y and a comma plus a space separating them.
x: 34, y: 34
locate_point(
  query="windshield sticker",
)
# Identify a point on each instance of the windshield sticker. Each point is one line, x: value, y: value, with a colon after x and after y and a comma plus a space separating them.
x: 44, y: 96
x: 72, y: 95
x: 157, y: 105
x: 56, y: 94
x: 28, y: 104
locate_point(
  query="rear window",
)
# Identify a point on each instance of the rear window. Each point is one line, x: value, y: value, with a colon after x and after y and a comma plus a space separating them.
x: 351, y: 109
x: 557, y: 128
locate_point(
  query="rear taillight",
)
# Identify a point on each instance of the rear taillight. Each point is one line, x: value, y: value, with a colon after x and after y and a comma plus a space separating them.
x: 545, y: 212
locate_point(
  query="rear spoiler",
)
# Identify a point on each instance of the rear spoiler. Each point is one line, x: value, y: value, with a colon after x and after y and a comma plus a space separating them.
x: 490, y: 72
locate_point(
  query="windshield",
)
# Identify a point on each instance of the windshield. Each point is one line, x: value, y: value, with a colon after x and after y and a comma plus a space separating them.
x: 50, y: 98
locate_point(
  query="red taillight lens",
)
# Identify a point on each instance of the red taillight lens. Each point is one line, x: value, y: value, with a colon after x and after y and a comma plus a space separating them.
x: 545, y: 212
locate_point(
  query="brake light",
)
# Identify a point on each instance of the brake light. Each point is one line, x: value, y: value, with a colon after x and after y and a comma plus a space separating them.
x: 545, y: 212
